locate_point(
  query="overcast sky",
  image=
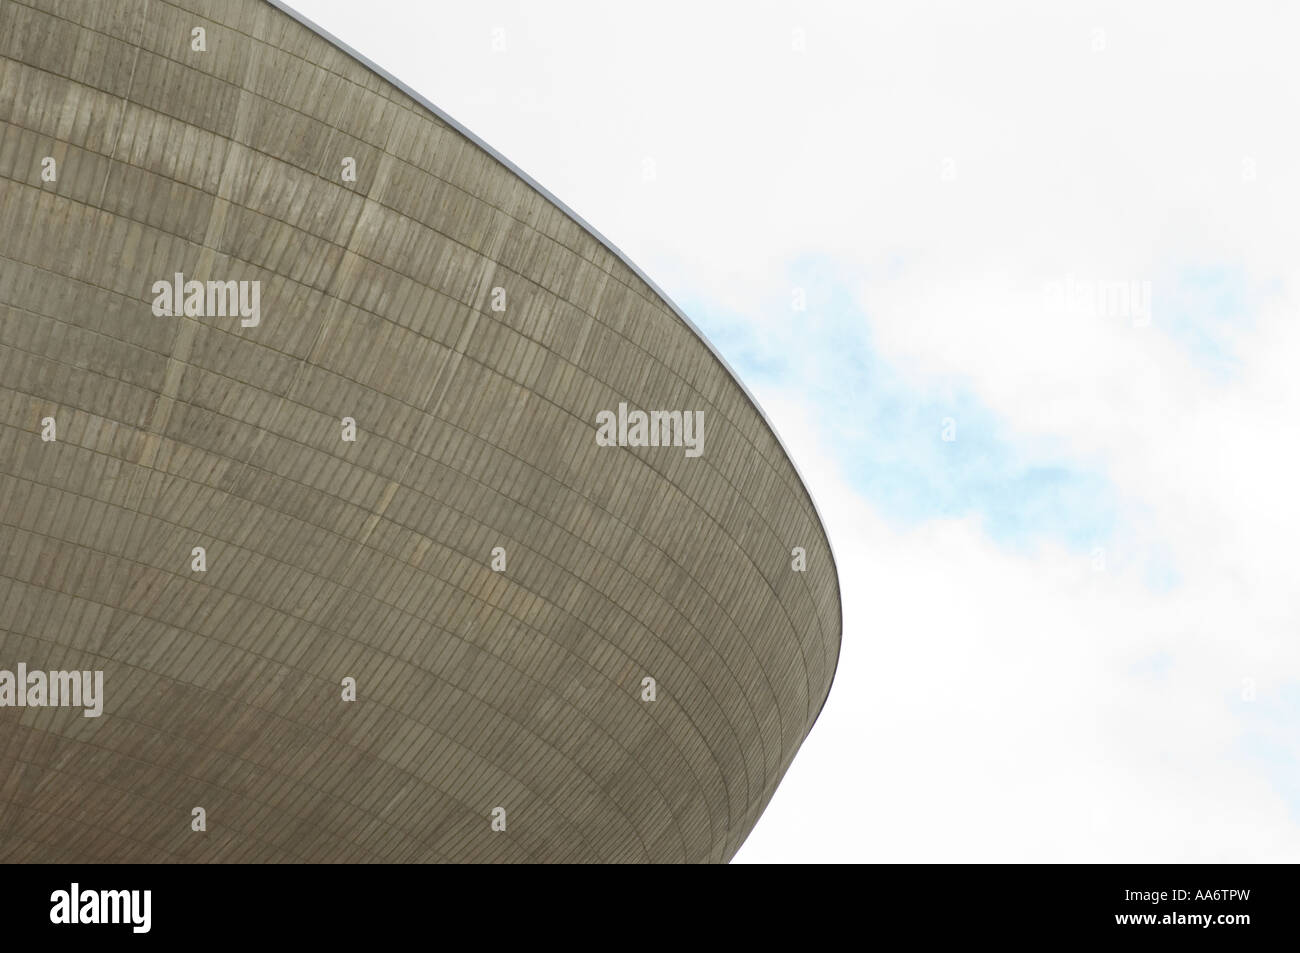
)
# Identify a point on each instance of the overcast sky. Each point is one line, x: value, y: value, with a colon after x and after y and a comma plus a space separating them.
x: 1062, y: 236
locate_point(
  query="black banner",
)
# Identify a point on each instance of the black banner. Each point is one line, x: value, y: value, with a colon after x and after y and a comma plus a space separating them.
x: 138, y: 904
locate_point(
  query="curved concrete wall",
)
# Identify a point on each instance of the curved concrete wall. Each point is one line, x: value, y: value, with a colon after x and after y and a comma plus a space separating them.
x: 475, y: 413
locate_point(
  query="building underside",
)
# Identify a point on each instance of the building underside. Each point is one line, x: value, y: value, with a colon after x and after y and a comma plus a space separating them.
x: 180, y: 508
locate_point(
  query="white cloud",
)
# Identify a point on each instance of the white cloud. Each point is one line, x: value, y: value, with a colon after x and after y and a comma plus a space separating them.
x: 994, y: 707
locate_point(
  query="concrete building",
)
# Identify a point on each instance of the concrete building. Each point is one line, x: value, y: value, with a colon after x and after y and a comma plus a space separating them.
x: 475, y: 631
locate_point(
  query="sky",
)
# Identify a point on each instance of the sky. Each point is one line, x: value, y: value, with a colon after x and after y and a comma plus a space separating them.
x: 1017, y: 285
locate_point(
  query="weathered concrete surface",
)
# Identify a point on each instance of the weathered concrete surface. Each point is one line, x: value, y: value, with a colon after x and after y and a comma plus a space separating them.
x: 370, y: 559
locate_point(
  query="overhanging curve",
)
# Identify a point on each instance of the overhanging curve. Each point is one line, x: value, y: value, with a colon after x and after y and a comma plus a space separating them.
x: 613, y: 249
x: 204, y: 141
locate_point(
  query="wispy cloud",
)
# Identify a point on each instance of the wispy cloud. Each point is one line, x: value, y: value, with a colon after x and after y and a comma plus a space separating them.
x: 917, y: 452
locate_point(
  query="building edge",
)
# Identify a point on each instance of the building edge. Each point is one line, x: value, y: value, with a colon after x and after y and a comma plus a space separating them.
x: 459, y: 127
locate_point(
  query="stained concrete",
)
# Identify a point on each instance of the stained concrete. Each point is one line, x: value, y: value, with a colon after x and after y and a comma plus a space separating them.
x: 371, y: 559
